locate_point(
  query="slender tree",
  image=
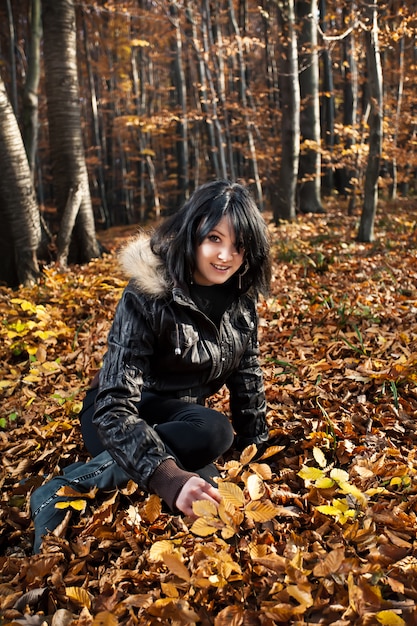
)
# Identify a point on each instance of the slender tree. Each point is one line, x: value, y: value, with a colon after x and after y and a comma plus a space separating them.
x: 327, y: 104
x: 180, y: 103
x: 243, y: 96
x: 30, y: 95
x: 284, y: 206
x: 309, y: 174
x: 366, y: 226
x: 65, y: 127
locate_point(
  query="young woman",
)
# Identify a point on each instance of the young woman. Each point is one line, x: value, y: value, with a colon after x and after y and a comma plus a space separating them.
x: 185, y: 326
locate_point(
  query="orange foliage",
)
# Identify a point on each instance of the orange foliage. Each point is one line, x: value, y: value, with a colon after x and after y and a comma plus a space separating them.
x: 320, y: 529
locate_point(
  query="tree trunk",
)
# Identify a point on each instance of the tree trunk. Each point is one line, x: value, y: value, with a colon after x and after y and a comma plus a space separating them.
x: 30, y: 96
x: 221, y: 52
x: 244, y: 104
x: 366, y: 226
x: 285, y: 201
x: 309, y: 173
x: 327, y: 107
x: 101, y: 183
x: 200, y: 48
x: 12, y: 56
x: 64, y: 118
x: 397, y: 118
x: 350, y: 170
x: 180, y: 95
x: 21, y: 230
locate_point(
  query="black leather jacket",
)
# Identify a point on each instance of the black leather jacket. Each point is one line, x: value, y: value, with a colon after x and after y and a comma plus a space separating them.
x: 160, y: 341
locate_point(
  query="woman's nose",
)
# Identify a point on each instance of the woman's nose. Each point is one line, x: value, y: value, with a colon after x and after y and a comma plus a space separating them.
x: 226, y: 253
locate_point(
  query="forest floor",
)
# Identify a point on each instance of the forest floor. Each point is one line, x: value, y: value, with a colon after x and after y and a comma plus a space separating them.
x: 321, y: 530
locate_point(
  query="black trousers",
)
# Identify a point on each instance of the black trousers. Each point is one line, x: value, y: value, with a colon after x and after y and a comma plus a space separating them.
x: 194, y: 434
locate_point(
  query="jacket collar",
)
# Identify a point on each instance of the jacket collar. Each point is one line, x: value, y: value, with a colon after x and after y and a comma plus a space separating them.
x: 142, y: 266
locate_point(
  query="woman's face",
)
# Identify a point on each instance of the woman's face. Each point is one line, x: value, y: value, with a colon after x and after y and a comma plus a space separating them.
x: 217, y: 257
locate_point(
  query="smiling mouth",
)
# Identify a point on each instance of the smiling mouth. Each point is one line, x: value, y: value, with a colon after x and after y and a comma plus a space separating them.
x: 221, y: 268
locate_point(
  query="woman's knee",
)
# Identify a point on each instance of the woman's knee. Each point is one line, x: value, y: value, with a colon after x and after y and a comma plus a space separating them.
x: 219, y: 431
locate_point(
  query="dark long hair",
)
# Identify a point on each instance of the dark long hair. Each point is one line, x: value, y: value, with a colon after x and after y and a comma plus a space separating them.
x: 175, y: 240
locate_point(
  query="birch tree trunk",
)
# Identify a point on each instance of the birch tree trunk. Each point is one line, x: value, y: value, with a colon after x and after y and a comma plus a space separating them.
x: 64, y: 119
x: 309, y: 174
x: 21, y: 230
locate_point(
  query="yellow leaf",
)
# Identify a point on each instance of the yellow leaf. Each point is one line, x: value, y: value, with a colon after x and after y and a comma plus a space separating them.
x: 339, y: 475
x: 30, y: 378
x: 203, y: 527
x: 205, y: 508
x: 176, y: 566
x: 324, y: 483
x: 263, y: 470
x: 319, y: 456
x: 271, y: 451
x: 79, y: 596
x: 257, y: 550
x: 328, y: 509
x: 49, y: 367
x: 77, y: 505
x: 233, y: 468
x: 248, y: 454
x: 152, y: 509
x: 105, y: 618
x: 232, y: 493
x: 228, y: 532
x: 375, y: 491
x: 261, y: 511
x: 230, y: 515
x: 24, y: 305
x: 353, y: 491
x: 389, y: 618
x: 397, y: 480
x: 310, y: 473
x: 173, y: 611
x: 255, y: 487
x: 159, y: 548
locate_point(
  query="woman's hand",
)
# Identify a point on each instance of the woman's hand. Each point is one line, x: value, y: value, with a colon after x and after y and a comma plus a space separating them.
x: 195, y: 488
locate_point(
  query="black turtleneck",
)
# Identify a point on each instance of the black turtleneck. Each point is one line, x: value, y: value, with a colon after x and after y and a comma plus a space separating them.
x: 214, y: 300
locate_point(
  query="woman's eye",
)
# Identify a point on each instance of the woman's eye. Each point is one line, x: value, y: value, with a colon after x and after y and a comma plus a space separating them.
x: 214, y: 238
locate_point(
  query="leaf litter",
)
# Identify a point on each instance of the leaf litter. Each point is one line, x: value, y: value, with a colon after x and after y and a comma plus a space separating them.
x: 319, y: 528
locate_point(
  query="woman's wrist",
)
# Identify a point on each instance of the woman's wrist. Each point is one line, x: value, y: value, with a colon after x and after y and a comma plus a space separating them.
x: 168, y: 480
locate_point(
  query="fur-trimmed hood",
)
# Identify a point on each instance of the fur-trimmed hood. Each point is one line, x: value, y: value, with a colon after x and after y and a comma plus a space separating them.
x: 141, y: 265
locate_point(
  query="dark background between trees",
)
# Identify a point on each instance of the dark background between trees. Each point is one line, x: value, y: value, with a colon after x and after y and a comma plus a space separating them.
x: 113, y: 112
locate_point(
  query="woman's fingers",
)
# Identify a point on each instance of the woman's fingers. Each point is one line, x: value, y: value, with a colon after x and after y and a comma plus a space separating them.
x: 195, y: 489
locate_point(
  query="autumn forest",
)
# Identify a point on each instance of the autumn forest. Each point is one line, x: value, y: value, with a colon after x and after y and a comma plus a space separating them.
x: 111, y: 113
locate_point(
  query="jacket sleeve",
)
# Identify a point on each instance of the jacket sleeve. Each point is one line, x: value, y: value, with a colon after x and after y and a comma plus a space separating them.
x: 247, y: 397
x: 133, y: 444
